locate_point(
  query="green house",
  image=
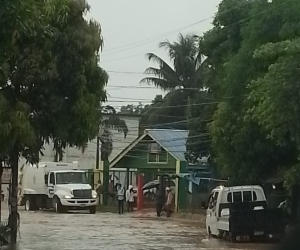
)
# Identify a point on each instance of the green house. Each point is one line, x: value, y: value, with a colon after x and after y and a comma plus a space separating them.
x: 155, y: 152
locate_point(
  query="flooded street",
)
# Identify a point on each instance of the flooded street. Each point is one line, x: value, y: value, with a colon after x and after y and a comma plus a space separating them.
x: 47, y: 230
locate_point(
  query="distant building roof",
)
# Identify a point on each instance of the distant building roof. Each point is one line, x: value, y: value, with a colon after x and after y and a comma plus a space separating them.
x: 172, y: 140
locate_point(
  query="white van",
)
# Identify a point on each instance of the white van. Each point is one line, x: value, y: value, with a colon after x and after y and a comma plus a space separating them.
x: 56, y: 185
x: 241, y: 211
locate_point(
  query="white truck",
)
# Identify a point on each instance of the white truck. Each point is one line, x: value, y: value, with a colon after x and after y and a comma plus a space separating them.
x: 56, y: 185
x: 241, y: 212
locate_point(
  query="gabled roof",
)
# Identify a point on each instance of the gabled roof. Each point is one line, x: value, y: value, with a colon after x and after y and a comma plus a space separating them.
x: 173, y: 141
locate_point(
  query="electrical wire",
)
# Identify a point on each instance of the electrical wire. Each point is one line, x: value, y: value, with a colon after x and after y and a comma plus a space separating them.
x: 239, y: 22
x: 177, y: 106
x: 126, y: 72
x: 201, y: 136
x: 192, y: 120
x: 130, y: 56
x: 158, y: 37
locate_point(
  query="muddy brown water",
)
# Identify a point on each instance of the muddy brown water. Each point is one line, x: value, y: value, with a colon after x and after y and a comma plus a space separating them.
x: 76, y: 231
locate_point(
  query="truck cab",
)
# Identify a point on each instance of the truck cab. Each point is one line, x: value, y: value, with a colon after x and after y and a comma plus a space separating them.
x: 58, y: 186
x: 241, y: 211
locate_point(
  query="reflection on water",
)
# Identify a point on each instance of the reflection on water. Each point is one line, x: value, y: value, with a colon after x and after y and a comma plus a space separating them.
x: 50, y: 231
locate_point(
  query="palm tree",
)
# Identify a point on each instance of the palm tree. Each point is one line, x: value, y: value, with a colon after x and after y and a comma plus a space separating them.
x: 180, y: 79
x: 184, y: 73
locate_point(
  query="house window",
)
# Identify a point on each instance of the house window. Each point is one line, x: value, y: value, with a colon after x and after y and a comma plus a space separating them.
x: 152, y: 157
x: 161, y: 157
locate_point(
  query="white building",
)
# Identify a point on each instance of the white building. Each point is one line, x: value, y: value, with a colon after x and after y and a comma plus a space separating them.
x: 87, y: 159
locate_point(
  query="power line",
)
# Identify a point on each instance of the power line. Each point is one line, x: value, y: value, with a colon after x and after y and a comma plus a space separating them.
x: 138, y: 101
x: 126, y: 98
x: 169, y: 146
x: 126, y: 72
x: 203, y: 135
x: 175, y: 151
x: 142, y: 115
x: 117, y: 59
x: 135, y: 132
x: 144, y: 87
x: 131, y: 129
x: 239, y: 22
x: 151, y: 39
x: 183, y: 105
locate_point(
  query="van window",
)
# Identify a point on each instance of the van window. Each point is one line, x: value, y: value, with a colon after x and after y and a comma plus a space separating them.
x: 216, y: 194
x: 237, y: 197
x: 229, y: 197
x: 211, y: 201
x: 247, y: 196
x: 52, y: 180
x: 254, y: 196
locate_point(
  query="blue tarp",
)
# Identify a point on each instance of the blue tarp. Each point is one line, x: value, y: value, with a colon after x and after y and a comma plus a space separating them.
x: 190, y: 177
x: 196, y: 180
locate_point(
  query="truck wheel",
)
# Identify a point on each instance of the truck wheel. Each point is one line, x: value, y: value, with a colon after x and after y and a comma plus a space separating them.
x: 30, y: 204
x: 57, y: 205
x: 93, y: 210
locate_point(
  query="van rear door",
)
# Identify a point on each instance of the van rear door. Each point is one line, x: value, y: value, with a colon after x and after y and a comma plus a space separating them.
x: 211, y: 214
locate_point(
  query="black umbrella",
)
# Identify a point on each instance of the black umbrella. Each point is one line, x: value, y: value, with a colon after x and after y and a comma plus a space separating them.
x: 151, y: 184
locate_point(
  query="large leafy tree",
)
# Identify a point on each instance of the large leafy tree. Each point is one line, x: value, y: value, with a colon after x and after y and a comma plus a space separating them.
x: 218, y: 46
x: 200, y: 113
x: 240, y: 145
x: 52, y: 85
x: 18, y: 20
x: 276, y: 92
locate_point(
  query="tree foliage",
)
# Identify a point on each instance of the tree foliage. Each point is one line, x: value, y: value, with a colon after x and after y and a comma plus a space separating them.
x: 53, y: 85
x: 251, y: 73
x: 111, y: 120
x: 179, y: 80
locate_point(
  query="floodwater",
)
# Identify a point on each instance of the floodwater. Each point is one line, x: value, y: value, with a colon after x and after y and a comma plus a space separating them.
x: 77, y: 231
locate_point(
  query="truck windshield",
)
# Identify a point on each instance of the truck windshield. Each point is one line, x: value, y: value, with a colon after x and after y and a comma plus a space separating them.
x: 71, y: 178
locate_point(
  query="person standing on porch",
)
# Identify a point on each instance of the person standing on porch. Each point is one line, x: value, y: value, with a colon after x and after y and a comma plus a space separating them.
x: 120, y: 196
x: 130, y: 198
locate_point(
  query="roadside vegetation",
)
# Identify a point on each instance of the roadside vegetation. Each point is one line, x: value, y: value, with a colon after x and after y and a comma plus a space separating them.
x: 236, y: 89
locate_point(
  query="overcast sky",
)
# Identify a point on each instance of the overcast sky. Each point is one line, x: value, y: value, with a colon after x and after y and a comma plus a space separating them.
x: 132, y: 28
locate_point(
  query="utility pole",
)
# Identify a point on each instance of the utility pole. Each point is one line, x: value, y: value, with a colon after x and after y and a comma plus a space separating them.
x: 98, y: 148
x: 1, y: 173
x: 98, y: 153
x: 13, y: 217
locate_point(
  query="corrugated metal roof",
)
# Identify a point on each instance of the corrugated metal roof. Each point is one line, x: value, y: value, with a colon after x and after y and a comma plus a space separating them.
x: 173, y: 141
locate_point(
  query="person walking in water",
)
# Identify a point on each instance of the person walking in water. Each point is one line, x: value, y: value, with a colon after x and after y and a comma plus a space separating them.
x: 159, y: 200
x: 120, y: 197
x: 130, y: 198
x: 169, y: 203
